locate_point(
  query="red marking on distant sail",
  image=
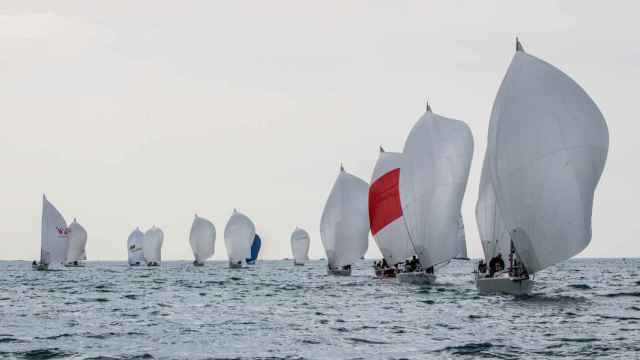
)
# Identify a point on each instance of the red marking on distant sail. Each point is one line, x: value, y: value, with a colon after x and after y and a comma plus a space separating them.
x: 384, y: 201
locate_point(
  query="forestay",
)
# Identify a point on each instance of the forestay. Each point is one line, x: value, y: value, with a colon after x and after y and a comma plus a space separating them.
x: 202, y: 238
x: 134, y: 245
x: 387, y: 223
x: 344, y: 226
x: 300, y: 241
x: 437, y: 157
x: 152, y: 245
x: 54, y: 235
x: 238, y: 236
x: 546, y: 151
x: 77, y: 242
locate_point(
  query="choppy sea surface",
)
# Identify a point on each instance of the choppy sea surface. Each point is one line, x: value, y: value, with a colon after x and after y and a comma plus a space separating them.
x: 583, y: 308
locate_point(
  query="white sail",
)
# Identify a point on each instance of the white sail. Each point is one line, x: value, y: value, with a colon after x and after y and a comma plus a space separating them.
x: 300, y: 241
x: 202, y: 239
x: 238, y: 236
x: 437, y: 157
x: 493, y: 233
x: 77, y: 242
x: 461, y: 252
x: 344, y: 226
x: 134, y: 246
x: 54, y: 235
x: 546, y: 151
x: 152, y: 245
x: 387, y: 223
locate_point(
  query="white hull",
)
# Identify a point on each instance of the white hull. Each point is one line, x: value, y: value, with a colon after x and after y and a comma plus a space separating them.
x: 235, y: 265
x: 339, y: 272
x: 74, y: 265
x: 298, y: 264
x: 40, y: 267
x: 136, y: 264
x: 504, y: 285
x: 153, y: 264
x: 416, y: 278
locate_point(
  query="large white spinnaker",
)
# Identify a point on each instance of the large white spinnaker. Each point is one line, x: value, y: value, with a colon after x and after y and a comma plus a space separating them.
x: 152, y: 245
x: 546, y: 151
x: 77, y: 242
x: 461, y: 253
x: 437, y: 156
x: 238, y: 237
x: 386, y: 220
x: 54, y: 235
x: 344, y: 226
x: 202, y: 238
x: 134, y: 246
x: 493, y: 233
x: 300, y: 241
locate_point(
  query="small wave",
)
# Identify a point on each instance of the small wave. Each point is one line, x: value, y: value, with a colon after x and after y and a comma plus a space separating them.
x: 55, y: 337
x: 356, y: 340
x: 94, y: 299
x: 43, y: 354
x: 635, y: 293
x: 10, y: 339
x: 623, y: 318
x: 578, y: 340
x: 130, y: 296
x: 468, y: 349
x: 580, y: 286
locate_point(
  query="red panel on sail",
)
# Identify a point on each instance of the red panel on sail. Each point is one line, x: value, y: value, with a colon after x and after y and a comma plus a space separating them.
x: 384, y: 201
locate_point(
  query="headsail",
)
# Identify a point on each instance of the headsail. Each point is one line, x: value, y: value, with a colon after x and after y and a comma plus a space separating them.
x: 387, y: 223
x: 202, y: 238
x: 134, y: 246
x: 546, y: 151
x: 152, y: 245
x: 77, y: 242
x: 255, y: 250
x: 300, y: 245
x: 54, y: 235
x: 437, y: 157
x: 238, y: 236
x: 344, y: 226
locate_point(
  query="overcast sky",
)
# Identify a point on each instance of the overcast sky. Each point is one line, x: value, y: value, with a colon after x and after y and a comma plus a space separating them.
x: 139, y: 113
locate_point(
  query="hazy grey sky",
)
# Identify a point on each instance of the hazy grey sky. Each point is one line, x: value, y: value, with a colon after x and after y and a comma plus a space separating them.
x: 140, y: 113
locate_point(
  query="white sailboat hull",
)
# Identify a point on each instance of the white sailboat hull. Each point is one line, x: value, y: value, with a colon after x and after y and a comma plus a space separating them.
x: 339, y: 272
x: 504, y: 285
x: 416, y: 278
x: 235, y: 265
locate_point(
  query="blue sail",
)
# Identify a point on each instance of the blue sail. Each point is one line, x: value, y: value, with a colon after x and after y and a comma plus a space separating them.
x: 255, y: 249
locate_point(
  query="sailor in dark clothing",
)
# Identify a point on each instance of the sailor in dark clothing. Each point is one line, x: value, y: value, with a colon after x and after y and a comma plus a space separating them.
x: 429, y: 270
x: 496, y: 264
x: 384, y: 263
x: 482, y: 267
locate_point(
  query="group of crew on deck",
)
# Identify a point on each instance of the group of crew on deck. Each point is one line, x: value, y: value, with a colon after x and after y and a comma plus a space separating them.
x: 383, y: 269
x: 496, y: 265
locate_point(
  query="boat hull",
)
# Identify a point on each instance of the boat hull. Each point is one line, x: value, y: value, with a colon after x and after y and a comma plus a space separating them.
x: 153, y: 264
x: 74, y: 265
x: 504, y: 285
x: 135, y: 264
x: 383, y: 274
x: 40, y: 267
x: 195, y: 263
x: 339, y: 272
x: 298, y: 264
x: 416, y: 278
x: 235, y: 265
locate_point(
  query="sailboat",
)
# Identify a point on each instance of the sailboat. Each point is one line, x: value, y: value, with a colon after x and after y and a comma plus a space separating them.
x: 461, y: 254
x: 238, y: 237
x: 134, y: 247
x: 300, y: 241
x: 437, y: 157
x: 54, y: 237
x: 255, y: 250
x: 77, y: 243
x: 202, y: 238
x: 546, y: 150
x: 344, y: 226
x: 387, y: 223
x: 152, y: 246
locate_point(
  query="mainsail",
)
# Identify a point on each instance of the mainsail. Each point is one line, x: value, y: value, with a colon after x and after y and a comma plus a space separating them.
x: 77, y: 242
x: 437, y: 156
x: 387, y: 223
x: 238, y: 236
x: 546, y: 151
x: 344, y: 226
x: 134, y: 246
x: 300, y: 245
x: 152, y: 245
x: 202, y: 238
x: 54, y: 235
x: 255, y: 250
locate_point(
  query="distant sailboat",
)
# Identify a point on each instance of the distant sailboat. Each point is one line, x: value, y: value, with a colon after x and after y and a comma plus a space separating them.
x: 134, y: 247
x: 387, y: 223
x: 344, y: 226
x: 152, y: 246
x: 202, y: 239
x: 238, y: 237
x: 546, y: 150
x: 77, y: 244
x: 300, y: 241
x: 54, y: 236
x: 255, y: 250
x: 437, y: 157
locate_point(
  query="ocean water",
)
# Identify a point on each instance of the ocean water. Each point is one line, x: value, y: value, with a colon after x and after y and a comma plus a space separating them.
x: 584, y: 308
